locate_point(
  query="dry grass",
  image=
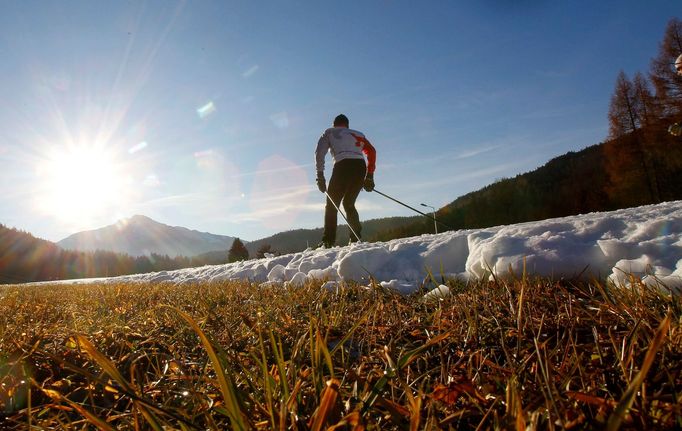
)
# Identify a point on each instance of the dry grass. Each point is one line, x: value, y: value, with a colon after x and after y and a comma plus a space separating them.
x: 509, y: 354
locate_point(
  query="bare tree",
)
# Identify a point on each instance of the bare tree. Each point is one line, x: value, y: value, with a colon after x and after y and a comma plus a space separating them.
x: 623, y: 117
x: 630, y: 110
x: 645, y: 104
x: 667, y: 83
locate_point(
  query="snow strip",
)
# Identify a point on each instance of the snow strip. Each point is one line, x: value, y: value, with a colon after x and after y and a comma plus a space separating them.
x: 645, y: 241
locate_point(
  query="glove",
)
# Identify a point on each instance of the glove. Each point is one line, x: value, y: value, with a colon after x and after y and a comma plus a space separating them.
x: 321, y: 184
x: 369, y: 182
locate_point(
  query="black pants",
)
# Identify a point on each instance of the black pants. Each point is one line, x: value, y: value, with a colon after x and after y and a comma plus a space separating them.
x: 347, y: 179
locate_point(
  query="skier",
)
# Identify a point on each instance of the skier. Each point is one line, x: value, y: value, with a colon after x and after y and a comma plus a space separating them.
x: 349, y: 175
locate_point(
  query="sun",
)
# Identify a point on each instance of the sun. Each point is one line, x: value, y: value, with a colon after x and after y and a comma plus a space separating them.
x: 81, y: 183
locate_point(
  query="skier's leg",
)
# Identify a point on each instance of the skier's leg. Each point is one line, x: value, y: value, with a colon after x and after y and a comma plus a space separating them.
x: 354, y: 184
x: 335, y: 192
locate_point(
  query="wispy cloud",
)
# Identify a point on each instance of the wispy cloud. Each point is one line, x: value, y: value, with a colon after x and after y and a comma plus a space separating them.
x: 364, y: 205
x: 476, y: 152
x: 180, y: 200
x: 460, y: 177
x: 275, y: 211
x: 274, y: 170
x: 250, y: 71
x: 281, y: 195
x: 459, y: 155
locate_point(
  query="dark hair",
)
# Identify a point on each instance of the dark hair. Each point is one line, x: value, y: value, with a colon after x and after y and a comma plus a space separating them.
x: 341, y: 120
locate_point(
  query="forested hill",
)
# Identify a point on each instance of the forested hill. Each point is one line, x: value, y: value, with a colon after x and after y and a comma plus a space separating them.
x: 602, y: 177
x: 24, y: 258
x: 299, y: 239
x: 19, y: 254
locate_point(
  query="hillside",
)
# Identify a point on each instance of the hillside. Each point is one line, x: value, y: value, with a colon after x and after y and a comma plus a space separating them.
x: 24, y: 258
x: 299, y: 239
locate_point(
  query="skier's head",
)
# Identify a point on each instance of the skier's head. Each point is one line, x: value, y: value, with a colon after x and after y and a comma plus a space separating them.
x: 341, y: 121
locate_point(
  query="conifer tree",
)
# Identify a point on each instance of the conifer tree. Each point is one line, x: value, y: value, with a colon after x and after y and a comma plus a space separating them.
x: 237, y: 252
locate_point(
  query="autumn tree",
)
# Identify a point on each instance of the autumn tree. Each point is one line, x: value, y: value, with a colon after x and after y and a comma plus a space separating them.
x: 237, y: 252
x: 632, y: 106
x: 646, y: 108
x: 667, y: 83
x: 668, y: 104
x: 628, y: 150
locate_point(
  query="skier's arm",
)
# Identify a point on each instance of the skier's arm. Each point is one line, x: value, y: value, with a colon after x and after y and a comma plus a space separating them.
x: 320, y: 152
x: 371, y: 154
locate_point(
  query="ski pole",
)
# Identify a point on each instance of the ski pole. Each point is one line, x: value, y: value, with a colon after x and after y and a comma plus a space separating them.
x: 342, y: 215
x: 414, y: 209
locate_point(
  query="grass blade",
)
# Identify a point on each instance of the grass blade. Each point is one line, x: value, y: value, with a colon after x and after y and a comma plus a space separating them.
x: 227, y: 386
x: 410, y: 356
x: 110, y: 368
x: 87, y: 414
x: 104, y: 362
x: 628, y: 397
x: 327, y: 404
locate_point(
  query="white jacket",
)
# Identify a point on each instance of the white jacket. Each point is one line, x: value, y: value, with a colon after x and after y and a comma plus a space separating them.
x: 344, y: 143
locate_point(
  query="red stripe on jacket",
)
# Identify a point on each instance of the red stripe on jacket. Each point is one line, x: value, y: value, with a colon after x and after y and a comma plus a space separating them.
x: 369, y: 151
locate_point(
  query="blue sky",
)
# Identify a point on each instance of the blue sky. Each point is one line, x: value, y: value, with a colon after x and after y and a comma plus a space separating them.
x: 206, y: 114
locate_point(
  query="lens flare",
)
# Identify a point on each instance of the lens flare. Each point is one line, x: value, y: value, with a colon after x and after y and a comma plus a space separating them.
x: 137, y: 147
x: 218, y: 180
x: 279, y: 192
x: 206, y: 110
x: 151, y: 180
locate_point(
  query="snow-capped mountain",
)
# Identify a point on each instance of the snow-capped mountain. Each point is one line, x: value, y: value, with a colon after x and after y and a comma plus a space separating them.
x: 140, y: 235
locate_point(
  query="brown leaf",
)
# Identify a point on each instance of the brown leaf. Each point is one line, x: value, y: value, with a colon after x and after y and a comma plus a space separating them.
x: 591, y: 399
x: 353, y: 419
x: 395, y: 408
x: 327, y: 404
x: 450, y: 394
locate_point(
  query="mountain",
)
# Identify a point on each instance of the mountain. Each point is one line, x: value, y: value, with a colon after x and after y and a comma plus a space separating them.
x: 142, y: 236
x: 25, y: 258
